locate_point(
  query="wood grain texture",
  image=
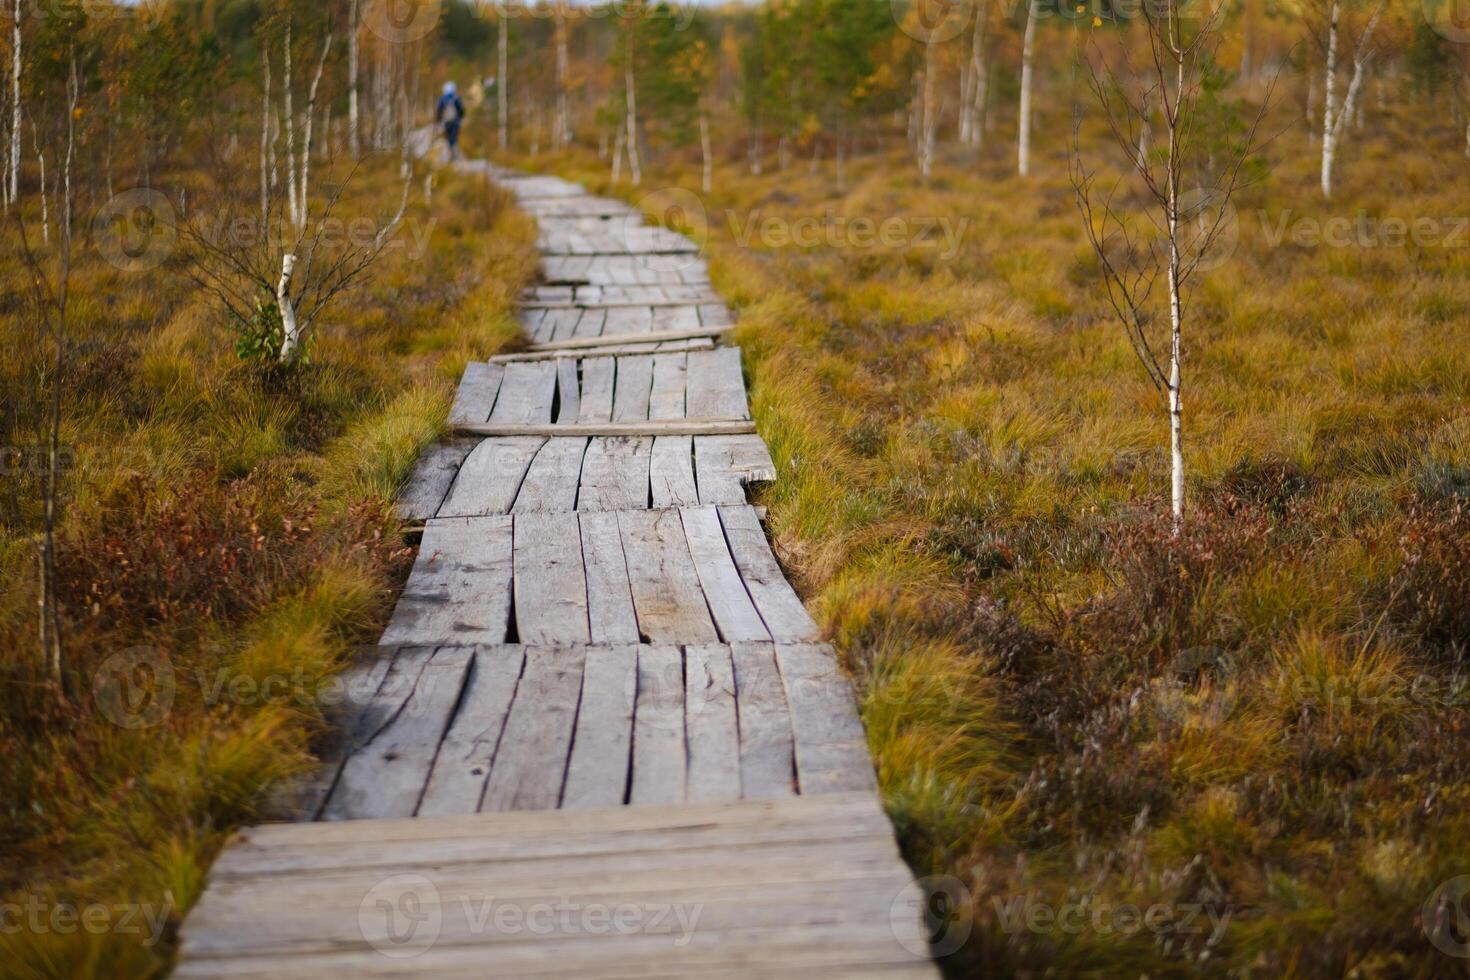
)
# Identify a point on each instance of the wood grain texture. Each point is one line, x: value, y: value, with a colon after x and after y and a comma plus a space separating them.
x: 532, y: 761
x: 462, y: 766
x: 659, y: 755
x: 597, y: 774
x: 459, y: 591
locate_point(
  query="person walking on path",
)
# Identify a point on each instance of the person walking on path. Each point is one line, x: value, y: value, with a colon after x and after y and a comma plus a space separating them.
x: 449, y: 113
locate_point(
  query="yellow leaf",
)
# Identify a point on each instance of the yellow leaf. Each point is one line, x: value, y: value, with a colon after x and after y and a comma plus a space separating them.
x: 1096, y: 21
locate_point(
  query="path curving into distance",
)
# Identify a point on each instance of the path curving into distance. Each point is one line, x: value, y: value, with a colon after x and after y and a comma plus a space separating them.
x: 601, y: 736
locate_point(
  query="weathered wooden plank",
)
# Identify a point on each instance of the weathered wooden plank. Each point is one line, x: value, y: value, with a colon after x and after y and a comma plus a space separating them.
x: 463, y: 763
x: 678, y: 319
x: 526, y: 394
x: 530, y: 765
x: 615, y: 474
x: 345, y: 707
x: 385, y: 777
x: 550, y: 585
x: 725, y: 465
x: 631, y: 322
x: 670, y: 427
x: 274, y: 849
x: 729, y: 603
x: 710, y: 723
x: 671, y: 472
x: 597, y: 774
x: 633, y: 387
x: 716, y: 385
x: 767, y: 753
x: 433, y: 474
x: 666, y: 591
x: 551, y: 481
x: 666, y: 399
x: 478, y: 390
x: 597, y: 391
x: 831, y: 749
x: 491, y: 476
x: 568, y: 392
x: 459, y: 589
x: 589, y: 325
x: 776, y: 600
x: 659, y: 756
x: 609, y: 596
x: 560, y: 324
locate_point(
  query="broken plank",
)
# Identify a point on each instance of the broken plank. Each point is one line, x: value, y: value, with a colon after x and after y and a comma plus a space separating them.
x: 725, y: 465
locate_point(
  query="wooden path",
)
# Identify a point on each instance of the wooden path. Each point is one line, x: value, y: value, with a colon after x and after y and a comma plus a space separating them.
x: 597, y: 693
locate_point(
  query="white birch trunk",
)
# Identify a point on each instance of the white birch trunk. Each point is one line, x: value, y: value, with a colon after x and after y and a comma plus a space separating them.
x: 265, y: 138
x: 979, y: 80
x: 45, y: 210
x: 1176, y: 315
x: 1023, y: 140
x: 562, y: 135
x: 631, y: 91
x: 502, y: 83
x: 1329, y: 102
x: 617, y: 159
x: 290, y: 338
x: 707, y: 181
x: 13, y: 190
x: 305, y: 182
x: 353, y: 53
x: 929, y: 123
x: 293, y: 205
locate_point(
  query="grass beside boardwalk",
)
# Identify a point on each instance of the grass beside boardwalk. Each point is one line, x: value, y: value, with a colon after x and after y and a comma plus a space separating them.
x: 1256, y: 734
x: 227, y: 539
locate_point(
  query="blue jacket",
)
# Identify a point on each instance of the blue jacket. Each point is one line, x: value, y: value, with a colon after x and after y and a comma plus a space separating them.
x: 448, y: 103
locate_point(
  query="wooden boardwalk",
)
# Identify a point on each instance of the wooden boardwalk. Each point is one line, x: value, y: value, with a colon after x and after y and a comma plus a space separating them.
x: 597, y: 691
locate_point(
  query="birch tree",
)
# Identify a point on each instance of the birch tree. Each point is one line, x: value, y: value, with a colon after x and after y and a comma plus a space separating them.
x: 561, y: 134
x: 354, y: 52
x: 1180, y: 225
x: 1335, y: 111
x: 12, y: 193
x: 1028, y: 46
x: 502, y: 80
